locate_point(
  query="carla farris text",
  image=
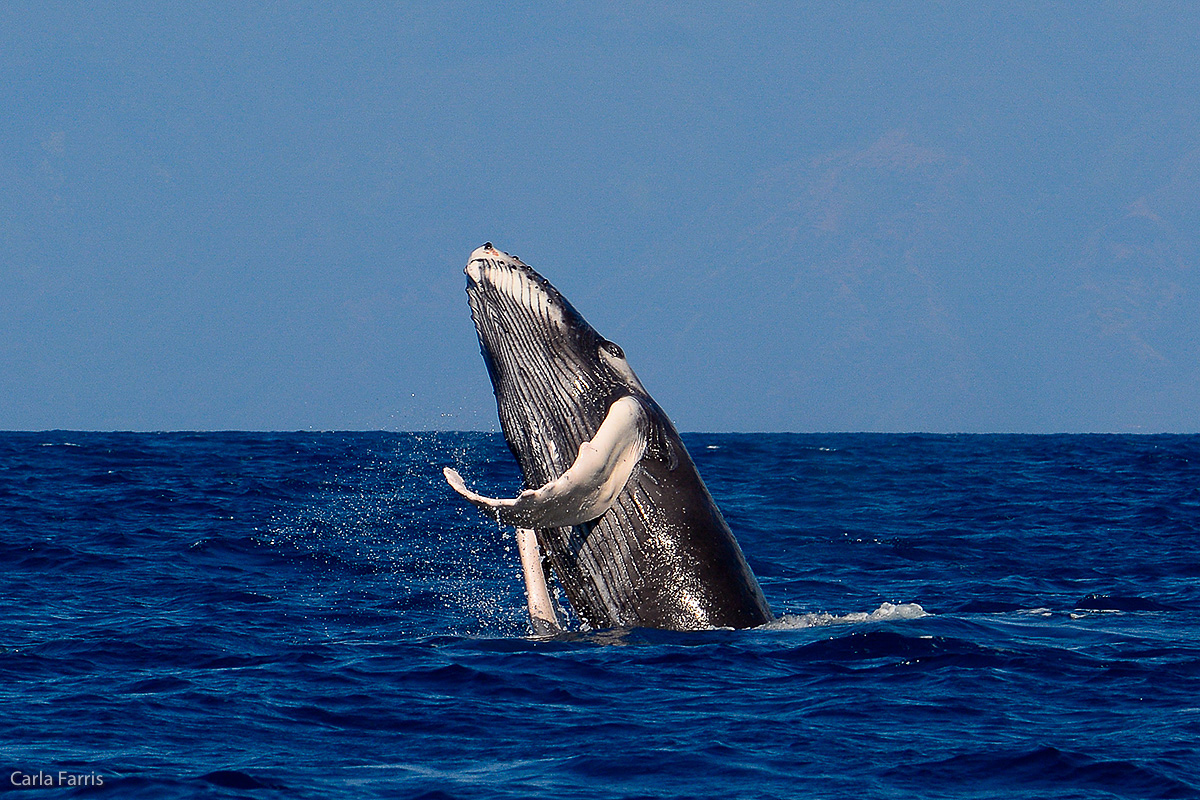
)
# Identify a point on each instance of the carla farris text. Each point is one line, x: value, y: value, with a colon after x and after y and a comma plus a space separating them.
x: 53, y: 779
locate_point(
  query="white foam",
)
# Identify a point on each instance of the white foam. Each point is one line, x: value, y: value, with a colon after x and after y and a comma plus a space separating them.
x: 885, y: 613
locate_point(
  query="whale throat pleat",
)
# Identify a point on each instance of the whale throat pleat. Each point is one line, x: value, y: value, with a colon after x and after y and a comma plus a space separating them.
x: 542, y: 392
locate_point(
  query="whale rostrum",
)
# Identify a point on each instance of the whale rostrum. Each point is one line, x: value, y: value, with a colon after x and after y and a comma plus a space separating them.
x: 612, y: 501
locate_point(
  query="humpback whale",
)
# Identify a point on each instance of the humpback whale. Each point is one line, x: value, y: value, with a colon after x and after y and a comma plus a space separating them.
x: 612, y: 503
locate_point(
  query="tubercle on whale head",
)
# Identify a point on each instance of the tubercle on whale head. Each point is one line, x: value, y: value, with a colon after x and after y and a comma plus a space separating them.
x: 486, y: 255
x: 486, y: 251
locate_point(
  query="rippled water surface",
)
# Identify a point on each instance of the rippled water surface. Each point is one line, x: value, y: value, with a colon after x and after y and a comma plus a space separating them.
x: 316, y: 615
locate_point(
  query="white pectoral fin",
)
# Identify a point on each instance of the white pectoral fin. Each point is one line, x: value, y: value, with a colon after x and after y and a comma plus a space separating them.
x: 543, y: 615
x: 588, y: 488
x: 603, y: 466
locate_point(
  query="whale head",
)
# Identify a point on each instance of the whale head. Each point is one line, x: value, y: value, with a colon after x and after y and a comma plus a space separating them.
x: 553, y: 374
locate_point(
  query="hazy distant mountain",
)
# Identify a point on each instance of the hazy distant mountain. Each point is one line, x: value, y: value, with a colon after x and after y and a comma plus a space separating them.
x: 864, y: 244
x: 1137, y: 302
x: 938, y: 291
x: 1140, y: 273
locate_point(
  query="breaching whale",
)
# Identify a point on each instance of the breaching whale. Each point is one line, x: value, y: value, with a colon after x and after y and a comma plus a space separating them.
x: 612, y: 501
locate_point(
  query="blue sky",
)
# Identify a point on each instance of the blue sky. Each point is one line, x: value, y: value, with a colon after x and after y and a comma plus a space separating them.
x: 792, y: 216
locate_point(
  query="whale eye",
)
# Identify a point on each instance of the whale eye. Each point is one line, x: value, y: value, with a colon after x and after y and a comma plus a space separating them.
x: 613, y: 349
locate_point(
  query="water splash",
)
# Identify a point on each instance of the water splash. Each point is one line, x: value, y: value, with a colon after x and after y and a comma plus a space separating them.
x: 887, y: 612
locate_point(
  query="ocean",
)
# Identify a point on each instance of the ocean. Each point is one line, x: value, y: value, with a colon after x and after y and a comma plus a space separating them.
x: 317, y: 615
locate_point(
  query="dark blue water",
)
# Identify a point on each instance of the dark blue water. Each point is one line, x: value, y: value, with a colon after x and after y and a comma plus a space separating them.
x: 315, y: 615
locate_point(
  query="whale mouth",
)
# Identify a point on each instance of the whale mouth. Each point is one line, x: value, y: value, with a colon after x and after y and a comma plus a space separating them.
x: 482, y: 258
